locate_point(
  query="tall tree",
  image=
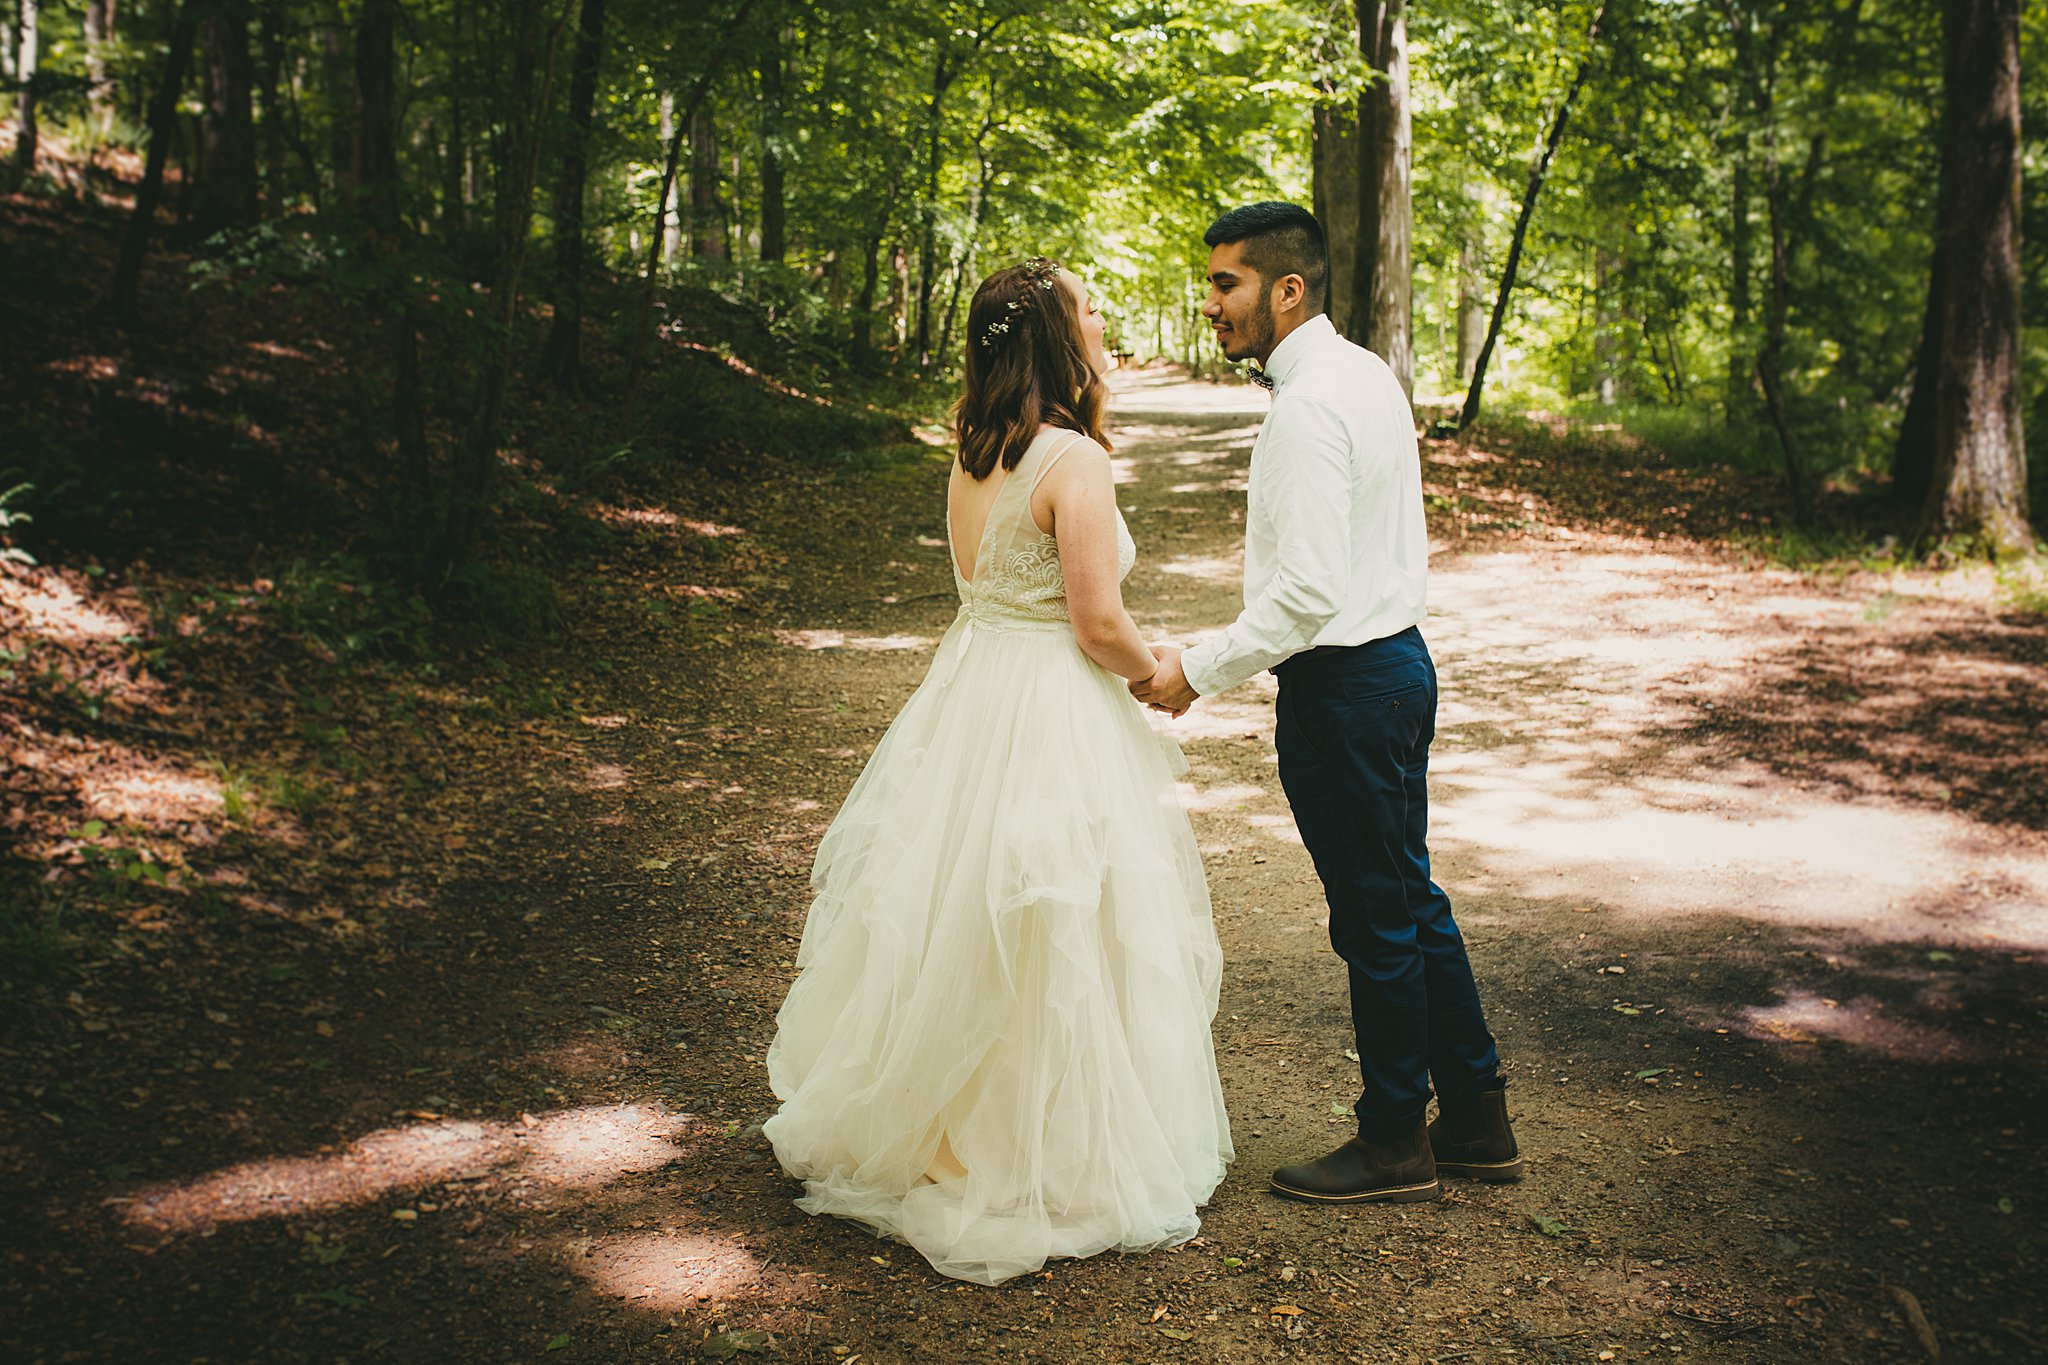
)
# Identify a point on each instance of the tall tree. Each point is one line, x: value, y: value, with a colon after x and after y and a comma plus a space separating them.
x: 1979, y: 485
x: 384, y: 233
x: 227, y: 179
x: 535, y: 44
x: 562, y: 361
x: 1540, y: 170
x: 99, y: 36
x: 1383, y: 281
x: 163, y: 129
x: 708, y: 234
x: 1757, y: 53
x: 774, y: 206
x: 28, y: 36
x: 1336, y: 161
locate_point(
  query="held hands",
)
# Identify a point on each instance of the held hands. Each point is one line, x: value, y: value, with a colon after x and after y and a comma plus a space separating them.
x: 1167, y: 689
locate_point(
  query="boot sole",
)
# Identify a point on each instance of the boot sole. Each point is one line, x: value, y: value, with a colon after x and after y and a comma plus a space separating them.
x: 1494, y: 1172
x: 1394, y: 1194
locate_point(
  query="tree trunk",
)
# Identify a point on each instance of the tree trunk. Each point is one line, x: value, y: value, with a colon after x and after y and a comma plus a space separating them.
x: 928, y: 210
x: 562, y: 362
x: 1979, y: 488
x: 1608, y: 318
x: 476, y: 456
x: 384, y: 238
x: 1383, y: 294
x: 1738, y: 288
x: 707, y: 211
x: 99, y: 34
x: 269, y: 78
x: 871, y: 280
x: 1913, y: 453
x: 670, y: 229
x: 644, y: 326
x: 27, y: 52
x: 1336, y: 165
x: 864, y: 308
x: 1759, y: 71
x: 163, y: 130
x: 227, y: 149
x: 1471, y: 293
x: 774, y: 210
x: 1470, y: 412
x: 343, y: 153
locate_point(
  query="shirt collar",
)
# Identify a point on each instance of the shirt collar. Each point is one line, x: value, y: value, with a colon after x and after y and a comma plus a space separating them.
x: 1287, y: 356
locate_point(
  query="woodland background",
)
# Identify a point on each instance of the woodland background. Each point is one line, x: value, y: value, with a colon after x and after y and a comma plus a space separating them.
x: 469, y: 499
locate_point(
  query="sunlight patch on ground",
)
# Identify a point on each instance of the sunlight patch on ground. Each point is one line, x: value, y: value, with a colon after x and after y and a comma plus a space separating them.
x: 572, y: 1149
x: 635, y: 516
x: 47, y: 605
x: 1761, y: 853
x: 673, y: 1269
x: 1228, y: 797
x: 1804, y: 1016
x: 145, y: 794
x: 1556, y: 770
x: 1211, y: 568
x: 839, y: 639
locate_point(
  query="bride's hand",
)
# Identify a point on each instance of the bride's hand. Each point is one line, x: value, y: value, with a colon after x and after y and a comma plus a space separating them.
x: 1167, y: 688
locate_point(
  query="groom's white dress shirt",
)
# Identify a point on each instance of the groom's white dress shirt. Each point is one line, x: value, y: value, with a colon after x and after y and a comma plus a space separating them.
x: 1335, y: 549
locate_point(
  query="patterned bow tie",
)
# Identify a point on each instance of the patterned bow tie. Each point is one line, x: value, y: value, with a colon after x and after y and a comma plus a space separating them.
x: 1259, y: 377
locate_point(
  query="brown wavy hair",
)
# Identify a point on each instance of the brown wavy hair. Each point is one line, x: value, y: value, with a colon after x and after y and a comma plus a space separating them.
x: 1027, y: 366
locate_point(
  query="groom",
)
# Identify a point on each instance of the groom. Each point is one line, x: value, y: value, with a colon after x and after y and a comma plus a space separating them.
x: 1336, y: 556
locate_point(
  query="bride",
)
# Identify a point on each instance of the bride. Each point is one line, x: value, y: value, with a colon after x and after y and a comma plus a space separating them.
x: 997, y: 1046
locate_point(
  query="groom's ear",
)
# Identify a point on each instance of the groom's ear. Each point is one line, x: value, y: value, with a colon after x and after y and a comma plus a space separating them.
x: 1289, y: 291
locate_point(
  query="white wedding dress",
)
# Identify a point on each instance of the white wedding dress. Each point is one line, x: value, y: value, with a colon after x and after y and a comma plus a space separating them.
x: 997, y: 1046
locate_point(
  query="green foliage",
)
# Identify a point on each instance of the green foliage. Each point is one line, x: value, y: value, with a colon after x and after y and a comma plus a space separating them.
x: 115, y: 869
x: 36, y: 946
x: 347, y: 611
x: 12, y: 516
x: 2023, y: 584
x: 236, y: 788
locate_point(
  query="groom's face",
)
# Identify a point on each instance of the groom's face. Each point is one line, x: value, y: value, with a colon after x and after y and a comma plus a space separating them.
x: 1239, y: 306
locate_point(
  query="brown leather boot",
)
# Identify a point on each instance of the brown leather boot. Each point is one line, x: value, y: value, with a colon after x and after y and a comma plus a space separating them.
x: 1474, y: 1138
x: 1360, y: 1171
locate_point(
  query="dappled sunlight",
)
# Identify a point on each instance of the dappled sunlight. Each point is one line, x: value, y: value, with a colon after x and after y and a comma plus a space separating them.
x: 1804, y: 1017
x: 1209, y: 568
x: 1763, y: 853
x: 676, y: 1268
x: 1230, y: 796
x: 47, y: 604
x: 606, y: 777
x: 149, y: 794
x: 839, y: 639
x: 573, y: 1149
x: 627, y: 518
x: 1157, y: 393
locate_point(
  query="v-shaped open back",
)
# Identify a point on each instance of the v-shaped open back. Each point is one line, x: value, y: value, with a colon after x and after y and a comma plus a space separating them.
x: 999, y: 523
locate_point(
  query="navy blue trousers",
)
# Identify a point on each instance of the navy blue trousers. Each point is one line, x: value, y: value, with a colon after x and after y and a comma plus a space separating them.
x: 1355, y: 727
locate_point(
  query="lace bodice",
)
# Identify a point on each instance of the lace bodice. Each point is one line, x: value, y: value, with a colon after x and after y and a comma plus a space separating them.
x: 1017, y: 575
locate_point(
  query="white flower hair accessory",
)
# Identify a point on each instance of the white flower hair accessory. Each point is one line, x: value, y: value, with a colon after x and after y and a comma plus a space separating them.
x: 1038, y: 274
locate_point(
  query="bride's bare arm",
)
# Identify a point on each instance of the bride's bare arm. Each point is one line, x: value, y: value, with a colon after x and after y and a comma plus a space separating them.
x: 1080, y: 496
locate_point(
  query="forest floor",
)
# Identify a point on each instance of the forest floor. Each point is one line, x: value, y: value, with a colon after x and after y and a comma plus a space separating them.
x: 463, y: 1062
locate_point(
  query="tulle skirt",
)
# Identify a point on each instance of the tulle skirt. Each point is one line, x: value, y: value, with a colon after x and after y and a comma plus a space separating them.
x: 997, y: 1047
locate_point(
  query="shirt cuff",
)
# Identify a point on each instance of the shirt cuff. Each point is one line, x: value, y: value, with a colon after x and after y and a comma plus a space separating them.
x: 1199, y: 667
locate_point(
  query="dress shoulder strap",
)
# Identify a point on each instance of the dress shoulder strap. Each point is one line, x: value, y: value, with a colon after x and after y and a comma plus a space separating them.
x: 1045, y: 466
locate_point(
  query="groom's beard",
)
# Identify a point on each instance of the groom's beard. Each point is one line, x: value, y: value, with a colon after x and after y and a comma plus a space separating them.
x: 1253, y: 339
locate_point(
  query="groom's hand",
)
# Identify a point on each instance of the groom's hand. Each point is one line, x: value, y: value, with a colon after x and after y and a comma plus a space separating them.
x: 1167, y: 689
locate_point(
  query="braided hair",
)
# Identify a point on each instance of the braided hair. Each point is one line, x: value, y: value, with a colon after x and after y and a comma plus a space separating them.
x: 1027, y: 366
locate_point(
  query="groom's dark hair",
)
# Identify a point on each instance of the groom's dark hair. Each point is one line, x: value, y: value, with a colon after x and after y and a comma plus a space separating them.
x: 1279, y: 239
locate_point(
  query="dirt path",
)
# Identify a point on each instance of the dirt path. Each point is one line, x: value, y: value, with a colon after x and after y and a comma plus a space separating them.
x: 1770, y: 1001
